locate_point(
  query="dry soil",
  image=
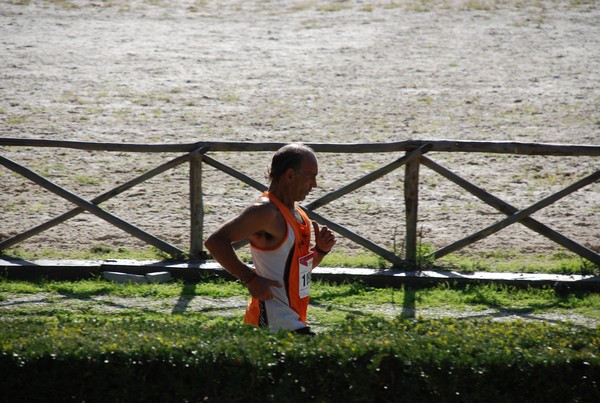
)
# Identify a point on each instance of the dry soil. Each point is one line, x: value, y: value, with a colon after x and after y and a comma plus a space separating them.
x: 351, y: 71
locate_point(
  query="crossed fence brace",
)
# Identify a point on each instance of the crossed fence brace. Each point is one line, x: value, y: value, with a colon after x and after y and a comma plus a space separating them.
x: 411, y: 159
x: 92, y: 205
x: 514, y: 215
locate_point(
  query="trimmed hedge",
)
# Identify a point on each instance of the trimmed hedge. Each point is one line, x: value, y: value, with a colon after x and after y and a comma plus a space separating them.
x: 179, y: 358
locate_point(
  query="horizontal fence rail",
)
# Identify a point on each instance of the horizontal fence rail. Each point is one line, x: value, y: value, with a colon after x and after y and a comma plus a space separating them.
x: 499, y: 147
x: 196, y: 154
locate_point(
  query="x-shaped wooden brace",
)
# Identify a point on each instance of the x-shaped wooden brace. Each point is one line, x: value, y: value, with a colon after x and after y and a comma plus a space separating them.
x: 514, y: 214
x: 392, y: 257
x: 91, y: 206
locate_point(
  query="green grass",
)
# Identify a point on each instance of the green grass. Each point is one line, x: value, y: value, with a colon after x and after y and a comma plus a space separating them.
x: 500, y: 299
x: 512, y: 262
x: 95, y: 252
x: 331, y: 305
x: 87, y: 180
x: 367, y: 259
x: 212, y: 288
x: 115, y: 331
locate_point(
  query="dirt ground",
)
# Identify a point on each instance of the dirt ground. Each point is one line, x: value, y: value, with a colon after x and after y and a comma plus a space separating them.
x: 166, y: 71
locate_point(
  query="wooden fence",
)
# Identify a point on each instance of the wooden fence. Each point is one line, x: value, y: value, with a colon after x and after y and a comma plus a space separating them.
x: 196, y: 154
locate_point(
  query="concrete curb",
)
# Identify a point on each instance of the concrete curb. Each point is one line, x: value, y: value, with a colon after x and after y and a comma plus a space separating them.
x: 195, y: 271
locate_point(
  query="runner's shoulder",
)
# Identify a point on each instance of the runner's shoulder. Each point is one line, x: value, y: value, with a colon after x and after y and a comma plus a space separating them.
x: 265, y: 209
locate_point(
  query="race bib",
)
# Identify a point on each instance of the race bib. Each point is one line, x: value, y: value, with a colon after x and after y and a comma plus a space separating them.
x: 305, y: 267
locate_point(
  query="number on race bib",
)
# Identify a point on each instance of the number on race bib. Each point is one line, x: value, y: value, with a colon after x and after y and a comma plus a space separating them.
x: 305, y: 267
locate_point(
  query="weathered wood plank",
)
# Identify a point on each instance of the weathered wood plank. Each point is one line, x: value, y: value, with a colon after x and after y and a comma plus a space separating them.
x: 7, y: 243
x: 411, y: 203
x: 391, y: 257
x: 235, y: 173
x: 196, y: 208
x: 368, y: 178
x: 367, y: 244
x: 91, y: 207
x: 501, y: 147
x: 411, y: 192
x: 513, y: 147
x: 508, y: 209
x: 239, y: 176
x: 516, y: 216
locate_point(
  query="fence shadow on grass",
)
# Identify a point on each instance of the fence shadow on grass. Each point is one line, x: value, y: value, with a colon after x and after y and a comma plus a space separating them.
x: 185, y: 297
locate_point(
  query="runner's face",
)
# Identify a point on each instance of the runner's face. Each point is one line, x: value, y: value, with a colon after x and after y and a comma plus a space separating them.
x: 306, y: 177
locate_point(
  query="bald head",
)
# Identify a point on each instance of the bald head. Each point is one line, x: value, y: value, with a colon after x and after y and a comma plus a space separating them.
x: 289, y: 156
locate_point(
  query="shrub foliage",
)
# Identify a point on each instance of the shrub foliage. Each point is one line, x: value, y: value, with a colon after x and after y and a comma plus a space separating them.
x: 185, y: 358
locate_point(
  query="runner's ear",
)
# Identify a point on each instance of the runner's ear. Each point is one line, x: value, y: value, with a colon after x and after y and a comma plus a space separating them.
x: 289, y: 174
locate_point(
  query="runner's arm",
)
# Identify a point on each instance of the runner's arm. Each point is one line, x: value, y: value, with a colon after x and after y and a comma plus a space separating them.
x: 219, y: 244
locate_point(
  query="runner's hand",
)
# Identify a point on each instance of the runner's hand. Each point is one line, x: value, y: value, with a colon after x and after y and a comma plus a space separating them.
x: 324, y: 237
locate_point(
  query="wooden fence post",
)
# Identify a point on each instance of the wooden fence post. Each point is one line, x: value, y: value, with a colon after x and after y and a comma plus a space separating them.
x: 411, y: 201
x: 412, y: 148
x: 196, y: 208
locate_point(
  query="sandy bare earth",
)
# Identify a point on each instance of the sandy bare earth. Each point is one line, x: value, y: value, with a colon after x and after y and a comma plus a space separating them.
x: 166, y: 71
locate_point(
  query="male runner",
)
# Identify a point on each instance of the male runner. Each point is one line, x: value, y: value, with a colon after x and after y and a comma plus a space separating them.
x: 279, y: 235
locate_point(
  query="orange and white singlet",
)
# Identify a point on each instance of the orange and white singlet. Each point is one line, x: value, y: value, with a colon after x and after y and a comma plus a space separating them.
x: 290, y: 263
